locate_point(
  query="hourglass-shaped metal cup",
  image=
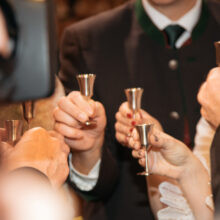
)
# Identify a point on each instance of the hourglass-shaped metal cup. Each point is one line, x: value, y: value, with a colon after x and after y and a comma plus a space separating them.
x: 14, y: 130
x: 86, y: 84
x: 217, y: 47
x: 28, y: 111
x: 143, y: 131
x: 134, y: 96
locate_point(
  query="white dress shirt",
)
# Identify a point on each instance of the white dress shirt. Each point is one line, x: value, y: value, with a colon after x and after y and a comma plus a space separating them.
x: 188, y: 21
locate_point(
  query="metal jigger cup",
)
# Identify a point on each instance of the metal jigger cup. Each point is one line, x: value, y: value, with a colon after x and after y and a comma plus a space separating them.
x: 217, y: 47
x: 28, y: 110
x: 86, y: 84
x: 134, y: 96
x: 143, y: 131
x: 14, y: 130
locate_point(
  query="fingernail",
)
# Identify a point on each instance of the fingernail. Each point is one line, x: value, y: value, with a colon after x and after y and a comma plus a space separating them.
x: 133, y: 123
x: 156, y: 138
x: 131, y: 129
x: 129, y: 115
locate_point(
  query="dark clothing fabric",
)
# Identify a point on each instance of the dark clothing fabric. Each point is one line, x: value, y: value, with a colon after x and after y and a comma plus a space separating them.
x: 215, y: 167
x: 124, y: 49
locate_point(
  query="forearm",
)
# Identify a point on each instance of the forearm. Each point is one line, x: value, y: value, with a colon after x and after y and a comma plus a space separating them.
x: 195, y: 185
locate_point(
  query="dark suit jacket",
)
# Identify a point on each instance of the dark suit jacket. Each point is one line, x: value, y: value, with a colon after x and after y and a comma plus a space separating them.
x: 215, y: 170
x: 125, y: 50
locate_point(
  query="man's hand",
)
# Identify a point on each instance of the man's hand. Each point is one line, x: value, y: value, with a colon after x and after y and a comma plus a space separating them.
x: 42, y: 150
x: 126, y: 122
x: 209, y: 97
x: 85, y: 142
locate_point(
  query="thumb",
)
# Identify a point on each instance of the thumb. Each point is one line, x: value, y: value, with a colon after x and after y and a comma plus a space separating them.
x: 162, y: 140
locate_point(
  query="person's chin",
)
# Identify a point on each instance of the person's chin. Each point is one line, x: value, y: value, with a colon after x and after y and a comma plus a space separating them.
x: 162, y: 2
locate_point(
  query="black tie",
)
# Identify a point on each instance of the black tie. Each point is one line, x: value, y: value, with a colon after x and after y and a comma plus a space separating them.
x: 173, y: 32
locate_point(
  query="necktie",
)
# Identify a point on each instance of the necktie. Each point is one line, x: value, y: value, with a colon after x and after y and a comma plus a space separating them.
x: 173, y: 32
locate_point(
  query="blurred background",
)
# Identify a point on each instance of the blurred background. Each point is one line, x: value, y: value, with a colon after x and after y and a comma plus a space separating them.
x: 70, y: 11
x: 67, y: 13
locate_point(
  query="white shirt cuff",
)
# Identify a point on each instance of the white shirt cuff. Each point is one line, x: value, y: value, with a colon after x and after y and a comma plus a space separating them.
x: 82, y: 181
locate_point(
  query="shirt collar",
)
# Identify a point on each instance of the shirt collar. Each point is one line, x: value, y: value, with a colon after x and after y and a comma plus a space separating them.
x: 188, y: 21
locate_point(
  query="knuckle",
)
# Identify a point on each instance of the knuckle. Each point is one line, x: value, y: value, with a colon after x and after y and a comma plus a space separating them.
x: 199, y: 96
x: 117, y: 115
x: 55, y: 113
x: 62, y: 101
x: 66, y: 149
x: 117, y: 136
x: 133, y: 153
x: 58, y: 128
x: 73, y: 95
x: 66, y: 171
x: 122, y: 106
x: 116, y: 126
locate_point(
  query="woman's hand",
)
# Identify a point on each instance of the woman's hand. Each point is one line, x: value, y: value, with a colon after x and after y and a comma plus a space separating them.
x: 126, y: 121
x: 166, y: 155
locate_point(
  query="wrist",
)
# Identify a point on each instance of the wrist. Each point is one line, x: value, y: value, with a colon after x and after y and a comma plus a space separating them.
x: 192, y: 170
x: 83, y: 161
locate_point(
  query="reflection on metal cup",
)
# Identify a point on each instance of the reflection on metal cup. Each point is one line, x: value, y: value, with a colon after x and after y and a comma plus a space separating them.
x: 86, y: 84
x: 217, y: 47
x: 143, y: 131
x: 28, y: 110
x: 14, y: 130
x: 134, y: 96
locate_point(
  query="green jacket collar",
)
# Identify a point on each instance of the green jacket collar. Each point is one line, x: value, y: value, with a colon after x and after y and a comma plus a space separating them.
x: 158, y: 35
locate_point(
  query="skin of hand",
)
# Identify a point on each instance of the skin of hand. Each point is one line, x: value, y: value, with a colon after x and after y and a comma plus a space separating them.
x: 167, y: 155
x: 85, y: 142
x: 125, y: 124
x: 39, y: 149
x: 209, y: 98
x: 4, y: 38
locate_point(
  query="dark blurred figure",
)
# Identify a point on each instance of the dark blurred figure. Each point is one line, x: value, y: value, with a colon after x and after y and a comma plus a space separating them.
x: 70, y: 11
